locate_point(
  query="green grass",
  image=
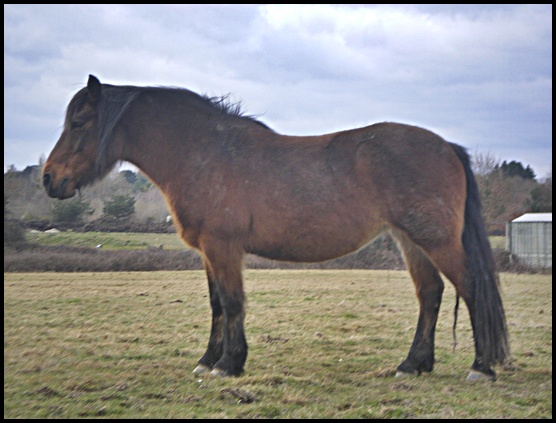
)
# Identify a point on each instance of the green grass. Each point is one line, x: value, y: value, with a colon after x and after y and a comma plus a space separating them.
x: 323, y: 344
x: 497, y: 241
x: 109, y: 240
x: 129, y: 240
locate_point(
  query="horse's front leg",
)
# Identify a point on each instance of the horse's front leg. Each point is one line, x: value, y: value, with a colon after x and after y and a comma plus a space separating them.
x: 227, y: 349
x: 216, y: 340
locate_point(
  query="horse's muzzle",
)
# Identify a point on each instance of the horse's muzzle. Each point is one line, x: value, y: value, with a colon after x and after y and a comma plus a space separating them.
x: 58, y: 191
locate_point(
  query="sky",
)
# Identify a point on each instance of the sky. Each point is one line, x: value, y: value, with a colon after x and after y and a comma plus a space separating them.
x: 477, y: 75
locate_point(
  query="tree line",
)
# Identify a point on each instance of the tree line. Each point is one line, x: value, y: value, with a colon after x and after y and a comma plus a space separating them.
x: 508, y: 190
x: 122, y: 195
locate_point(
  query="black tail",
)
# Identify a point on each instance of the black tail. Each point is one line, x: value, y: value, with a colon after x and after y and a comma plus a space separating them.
x: 484, y: 301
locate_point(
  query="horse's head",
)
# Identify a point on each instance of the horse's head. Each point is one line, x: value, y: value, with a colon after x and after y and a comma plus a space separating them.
x: 74, y: 161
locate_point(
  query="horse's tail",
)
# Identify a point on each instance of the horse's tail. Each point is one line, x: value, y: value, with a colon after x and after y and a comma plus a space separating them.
x: 481, y: 281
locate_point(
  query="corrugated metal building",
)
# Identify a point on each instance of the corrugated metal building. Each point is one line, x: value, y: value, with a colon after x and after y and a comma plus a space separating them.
x: 530, y: 238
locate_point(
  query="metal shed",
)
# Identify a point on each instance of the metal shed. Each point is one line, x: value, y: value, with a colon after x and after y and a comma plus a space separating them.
x: 530, y: 238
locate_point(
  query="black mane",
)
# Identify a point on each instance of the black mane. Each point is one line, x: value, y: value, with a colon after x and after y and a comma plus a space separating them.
x: 115, y: 100
x: 219, y: 104
x: 225, y: 106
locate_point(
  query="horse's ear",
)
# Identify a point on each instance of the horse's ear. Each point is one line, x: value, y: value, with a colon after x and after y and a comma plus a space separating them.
x: 94, y: 87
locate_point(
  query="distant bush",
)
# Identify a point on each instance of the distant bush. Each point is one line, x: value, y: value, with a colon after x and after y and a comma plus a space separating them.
x: 76, y: 259
x: 71, y: 211
x: 119, y: 206
x: 508, y: 262
x: 378, y: 255
x: 112, y: 224
x: 14, y: 235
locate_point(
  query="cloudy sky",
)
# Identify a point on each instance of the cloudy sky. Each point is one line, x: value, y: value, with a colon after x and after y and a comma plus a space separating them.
x: 478, y: 75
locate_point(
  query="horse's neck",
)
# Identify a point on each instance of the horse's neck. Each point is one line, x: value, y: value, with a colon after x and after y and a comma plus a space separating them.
x: 170, y: 149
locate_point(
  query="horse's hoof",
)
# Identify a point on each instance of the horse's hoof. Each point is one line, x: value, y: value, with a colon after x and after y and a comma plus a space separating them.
x: 401, y: 374
x: 219, y: 372
x: 476, y: 375
x: 201, y: 369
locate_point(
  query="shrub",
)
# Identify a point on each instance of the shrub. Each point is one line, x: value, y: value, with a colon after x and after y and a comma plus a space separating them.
x: 14, y: 235
x: 71, y: 211
x: 119, y: 206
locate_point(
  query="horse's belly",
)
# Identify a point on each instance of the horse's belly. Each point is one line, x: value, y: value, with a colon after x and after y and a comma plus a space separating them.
x: 313, y: 244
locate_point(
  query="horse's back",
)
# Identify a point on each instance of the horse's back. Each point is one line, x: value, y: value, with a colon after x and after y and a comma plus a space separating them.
x: 321, y: 197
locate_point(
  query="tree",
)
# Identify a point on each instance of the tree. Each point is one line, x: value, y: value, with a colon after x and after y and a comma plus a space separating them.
x: 71, y: 211
x: 14, y: 235
x: 119, y: 206
x: 541, y: 197
x: 505, y: 189
x: 495, y: 198
x: 142, y: 184
x: 129, y: 176
x: 484, y: 163
x: 514, y: 168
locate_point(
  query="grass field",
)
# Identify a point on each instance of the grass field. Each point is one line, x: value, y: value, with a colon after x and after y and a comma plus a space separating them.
x: 323, y: 344
x: 108, y: 240
x: 128, y: 240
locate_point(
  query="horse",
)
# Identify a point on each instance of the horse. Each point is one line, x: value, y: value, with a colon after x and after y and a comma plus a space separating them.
x: 234, y: 186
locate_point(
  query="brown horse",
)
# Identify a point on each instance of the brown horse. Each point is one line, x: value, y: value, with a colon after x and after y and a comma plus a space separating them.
x: 234, y: 186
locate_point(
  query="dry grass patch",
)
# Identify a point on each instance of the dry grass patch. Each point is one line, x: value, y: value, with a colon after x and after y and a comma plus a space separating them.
x: 323, y: 343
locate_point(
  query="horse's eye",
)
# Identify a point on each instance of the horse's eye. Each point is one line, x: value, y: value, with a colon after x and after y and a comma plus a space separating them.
x: 77, y: 125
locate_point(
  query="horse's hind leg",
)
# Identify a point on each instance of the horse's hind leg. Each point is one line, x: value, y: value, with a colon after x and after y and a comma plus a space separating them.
x: 429, y: 288
x: 450, y: 263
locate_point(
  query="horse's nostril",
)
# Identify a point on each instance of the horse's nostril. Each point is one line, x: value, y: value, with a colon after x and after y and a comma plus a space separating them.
x: 64, y: 185
x: 46, y: 180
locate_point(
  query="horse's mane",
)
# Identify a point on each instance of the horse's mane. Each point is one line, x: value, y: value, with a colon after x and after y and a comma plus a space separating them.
x: 115, y: 100
x: 124, y: 95
x: 225, y: 106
